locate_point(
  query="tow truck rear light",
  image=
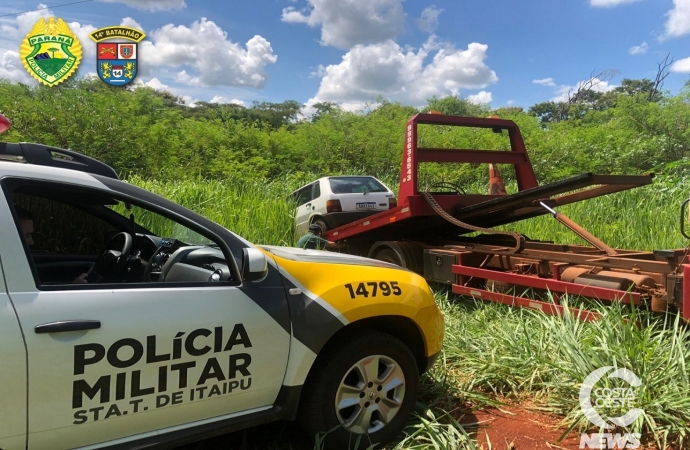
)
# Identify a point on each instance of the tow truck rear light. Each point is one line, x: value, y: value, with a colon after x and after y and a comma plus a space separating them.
x: 333, y: 206
x: 392, y: 203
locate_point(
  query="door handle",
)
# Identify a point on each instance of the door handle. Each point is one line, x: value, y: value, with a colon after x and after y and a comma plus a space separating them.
x: 67, y: 325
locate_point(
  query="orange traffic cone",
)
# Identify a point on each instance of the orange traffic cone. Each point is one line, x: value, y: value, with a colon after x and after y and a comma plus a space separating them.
x: 496, y: 186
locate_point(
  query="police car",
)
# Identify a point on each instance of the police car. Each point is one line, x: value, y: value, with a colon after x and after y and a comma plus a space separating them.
x: 129, y: 321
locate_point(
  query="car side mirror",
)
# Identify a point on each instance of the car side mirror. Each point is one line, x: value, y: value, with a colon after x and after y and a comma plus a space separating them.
x: 255, y: 265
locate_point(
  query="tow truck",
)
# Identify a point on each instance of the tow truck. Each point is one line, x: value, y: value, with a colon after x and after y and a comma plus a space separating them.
x: 429, y: 231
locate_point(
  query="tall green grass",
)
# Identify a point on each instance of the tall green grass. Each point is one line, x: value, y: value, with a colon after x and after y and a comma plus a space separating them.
x: 522, y: 353
x: 256, y: 210
x: 645, y: 218
x: 493, y: 352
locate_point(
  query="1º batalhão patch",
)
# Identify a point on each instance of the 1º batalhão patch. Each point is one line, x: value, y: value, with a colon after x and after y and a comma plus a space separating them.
x: 116, y: 61
x: 50, y: 52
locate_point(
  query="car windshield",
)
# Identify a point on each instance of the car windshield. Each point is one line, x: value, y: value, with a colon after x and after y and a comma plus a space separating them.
x: 161, y: 226
x: 355, y: 185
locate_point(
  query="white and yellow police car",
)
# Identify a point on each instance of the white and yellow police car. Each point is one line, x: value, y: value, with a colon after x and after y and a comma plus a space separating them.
x: 128, y: 321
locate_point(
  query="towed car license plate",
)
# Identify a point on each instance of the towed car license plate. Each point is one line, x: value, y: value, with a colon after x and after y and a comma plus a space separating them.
x: 366, y: 205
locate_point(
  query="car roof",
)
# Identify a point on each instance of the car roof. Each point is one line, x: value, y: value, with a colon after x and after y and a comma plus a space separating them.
x: 338, y: 176
x: 45, y: 155
x: 23, y: 170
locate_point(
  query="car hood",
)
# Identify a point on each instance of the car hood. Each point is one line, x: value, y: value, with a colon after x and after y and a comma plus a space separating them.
x: 321, y: 256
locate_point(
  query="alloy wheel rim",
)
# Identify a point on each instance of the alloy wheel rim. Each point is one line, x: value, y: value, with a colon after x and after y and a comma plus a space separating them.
x: 370, y: 394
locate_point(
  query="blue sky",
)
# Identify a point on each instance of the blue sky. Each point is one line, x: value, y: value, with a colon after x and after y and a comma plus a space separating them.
x: 502, y: 52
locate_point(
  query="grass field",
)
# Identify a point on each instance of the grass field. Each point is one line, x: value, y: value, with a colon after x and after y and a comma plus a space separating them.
x: 494, y: 353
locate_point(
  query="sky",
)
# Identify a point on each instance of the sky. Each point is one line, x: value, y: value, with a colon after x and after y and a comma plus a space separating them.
x: 353, y: 52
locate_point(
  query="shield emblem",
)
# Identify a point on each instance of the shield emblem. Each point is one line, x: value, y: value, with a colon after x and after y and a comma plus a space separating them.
x: 50, y: 52
x: 117, y: 63
x: 126, y: 50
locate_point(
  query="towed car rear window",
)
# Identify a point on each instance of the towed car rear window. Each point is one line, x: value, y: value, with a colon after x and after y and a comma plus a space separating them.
x: 355, y: 185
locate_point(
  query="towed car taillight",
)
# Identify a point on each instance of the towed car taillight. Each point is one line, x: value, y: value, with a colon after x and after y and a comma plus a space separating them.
x: 333, y: 206
x: 392, y: 203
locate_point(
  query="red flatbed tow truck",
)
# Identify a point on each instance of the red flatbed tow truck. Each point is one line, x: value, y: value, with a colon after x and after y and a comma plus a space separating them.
x: 428, y: 232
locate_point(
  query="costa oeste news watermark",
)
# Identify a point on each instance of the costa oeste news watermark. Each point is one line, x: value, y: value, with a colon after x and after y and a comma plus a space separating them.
x: 595, y: 398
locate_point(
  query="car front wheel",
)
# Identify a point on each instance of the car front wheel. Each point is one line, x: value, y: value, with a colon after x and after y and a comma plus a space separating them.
x: 361, y: 391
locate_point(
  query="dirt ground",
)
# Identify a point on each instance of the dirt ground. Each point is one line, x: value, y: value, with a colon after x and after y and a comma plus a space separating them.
x: 511, y: 427
x: 517, y: 428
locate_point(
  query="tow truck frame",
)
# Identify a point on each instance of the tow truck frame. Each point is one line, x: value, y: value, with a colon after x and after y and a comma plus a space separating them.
x: 427, y: 232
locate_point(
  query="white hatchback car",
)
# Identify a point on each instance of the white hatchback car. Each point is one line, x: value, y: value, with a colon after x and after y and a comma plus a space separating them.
x: 334, y: 201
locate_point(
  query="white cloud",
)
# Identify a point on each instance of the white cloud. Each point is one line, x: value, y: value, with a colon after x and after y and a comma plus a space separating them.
x: 510, y: 102
x: 151, y: 5
x: 184, y: 78
x: 399, y: 73
x: 681, y: 66
x: 83, y: 31
x: 597, y: 85
x: 545, y: 82
x: 156, y: 84
x: 429, y: 20
x: 221, y: 99
x: 609, y: 3
x: 204, y: 48
x: 345, y: 23
x: 187, y: 99
x: 14, y: 29
x: 678, y: 23
x: 11, y: 68
x: 480, y: 98
x: 129, y: 22
x: 639, y: 49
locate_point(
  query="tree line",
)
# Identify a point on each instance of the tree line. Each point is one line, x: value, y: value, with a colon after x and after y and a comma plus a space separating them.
x: 634, y: 128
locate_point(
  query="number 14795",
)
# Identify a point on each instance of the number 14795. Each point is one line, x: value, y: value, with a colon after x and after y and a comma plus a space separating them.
x: 374, y: 288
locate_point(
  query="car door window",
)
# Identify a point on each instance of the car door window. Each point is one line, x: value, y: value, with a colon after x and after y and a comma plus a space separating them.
x: 75, y: 238
x: 317, y: 191
x: 60, y: 228
x: 304, y: 195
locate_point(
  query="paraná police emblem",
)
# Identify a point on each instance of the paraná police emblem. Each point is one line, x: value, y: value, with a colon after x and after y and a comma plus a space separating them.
x: 116, y: 61
x: 50, y: 52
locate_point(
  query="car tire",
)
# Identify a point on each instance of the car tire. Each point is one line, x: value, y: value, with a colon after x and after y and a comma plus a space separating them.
x: 360, y: 392
x: 322, y: 224
x: 388, y: 255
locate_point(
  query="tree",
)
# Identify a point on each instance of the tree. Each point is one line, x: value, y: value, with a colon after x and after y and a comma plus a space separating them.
x: 455, y: 105
x: 276, y: 114
x: 661, y: 74
x: 322, y: 109
x: 550, y: 112
x: 585, y: 92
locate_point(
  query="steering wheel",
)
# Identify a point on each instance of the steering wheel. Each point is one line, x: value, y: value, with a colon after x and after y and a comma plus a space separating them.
x: 154, y: 260
x: 446, y: 185
x: 113, y: 258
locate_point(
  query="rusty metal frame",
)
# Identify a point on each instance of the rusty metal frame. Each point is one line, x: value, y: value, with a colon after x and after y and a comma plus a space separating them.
x: 512, y: 300
x: 599, y: 260
x: 549, y: 284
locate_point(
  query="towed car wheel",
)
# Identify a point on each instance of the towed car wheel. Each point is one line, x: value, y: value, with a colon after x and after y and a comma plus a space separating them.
x: 321, y: 224
x: 362, y: 390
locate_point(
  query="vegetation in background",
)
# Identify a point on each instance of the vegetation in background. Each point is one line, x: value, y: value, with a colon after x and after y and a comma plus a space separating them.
x: 153, y: 134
